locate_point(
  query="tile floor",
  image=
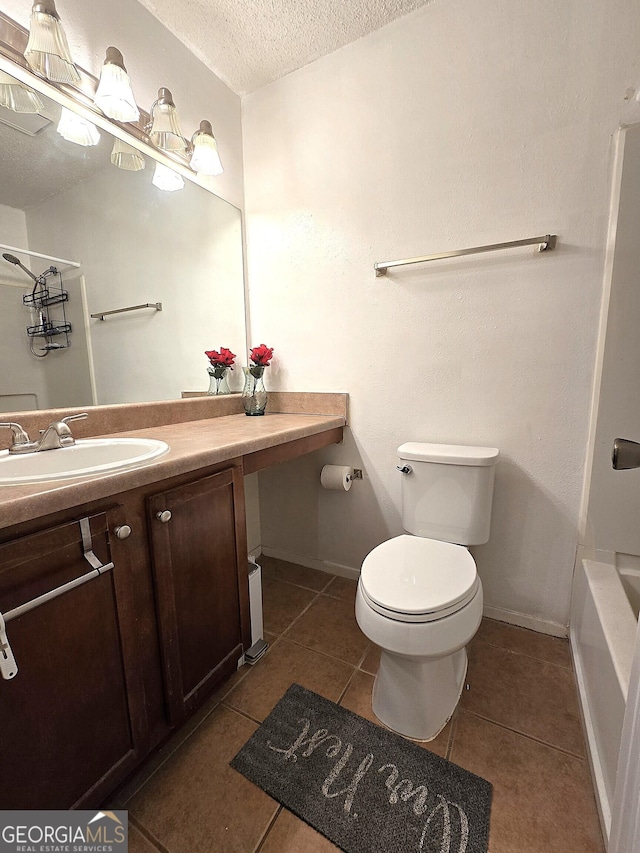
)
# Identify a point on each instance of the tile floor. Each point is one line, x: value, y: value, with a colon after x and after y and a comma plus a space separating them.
x: 517, y: 725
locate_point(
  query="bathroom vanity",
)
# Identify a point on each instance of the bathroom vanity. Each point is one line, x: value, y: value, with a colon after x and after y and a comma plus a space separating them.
x: 107, y: 670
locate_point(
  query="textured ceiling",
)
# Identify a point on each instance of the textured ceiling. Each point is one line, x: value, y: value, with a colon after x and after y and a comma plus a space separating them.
x: 34, y: 168
x: 250, y: 43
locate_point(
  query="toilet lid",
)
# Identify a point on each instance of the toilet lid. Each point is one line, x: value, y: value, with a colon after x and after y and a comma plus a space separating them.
x: 416, y: 576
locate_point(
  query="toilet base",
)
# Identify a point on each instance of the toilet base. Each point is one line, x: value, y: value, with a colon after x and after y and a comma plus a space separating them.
x: 416, y: 697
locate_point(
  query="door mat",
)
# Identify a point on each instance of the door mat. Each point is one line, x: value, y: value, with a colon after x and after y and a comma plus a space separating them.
x: 363, y: 787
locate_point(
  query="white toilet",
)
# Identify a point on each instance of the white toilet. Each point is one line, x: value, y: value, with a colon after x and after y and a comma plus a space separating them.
x: 419, y: 596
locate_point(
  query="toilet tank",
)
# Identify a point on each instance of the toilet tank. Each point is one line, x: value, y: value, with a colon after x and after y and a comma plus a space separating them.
x: 448, y: 492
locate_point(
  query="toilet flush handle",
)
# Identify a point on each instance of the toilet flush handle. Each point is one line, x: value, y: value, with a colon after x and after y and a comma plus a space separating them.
x: 405, y: 469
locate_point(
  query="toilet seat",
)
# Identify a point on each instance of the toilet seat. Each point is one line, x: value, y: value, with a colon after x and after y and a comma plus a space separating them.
x: 415, y: 579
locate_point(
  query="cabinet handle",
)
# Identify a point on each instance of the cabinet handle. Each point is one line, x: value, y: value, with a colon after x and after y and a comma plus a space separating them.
x: 123, y: 531
x: 164, y: 516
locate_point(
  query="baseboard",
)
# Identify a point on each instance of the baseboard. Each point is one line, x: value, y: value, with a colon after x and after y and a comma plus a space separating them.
x: 523, y: 620
x: 312, y: 563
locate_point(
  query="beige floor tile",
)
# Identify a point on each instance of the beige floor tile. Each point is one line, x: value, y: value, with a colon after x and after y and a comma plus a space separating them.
x: 358, y: 699
x: 196, y: 802
x: 282, y: 602
x: 330, y: 626
x: 344, y: 588
x: 542, y: 798
x: 525, y: 642
x: 371, y: 662
x: 285, y: 664
x: 289, y: 834
x: 531, y: 696
x: 138, y: 843
x: 293, y: 573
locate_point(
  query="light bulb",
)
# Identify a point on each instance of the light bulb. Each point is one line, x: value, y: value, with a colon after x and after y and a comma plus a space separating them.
x: 47, y: 50
x: 114, y: 94
x: 76, y: 129
x: 165, y: 131
x: 166, y: 179
x: 205, y: 158
x: 18, y: 97
x: 125, y: 156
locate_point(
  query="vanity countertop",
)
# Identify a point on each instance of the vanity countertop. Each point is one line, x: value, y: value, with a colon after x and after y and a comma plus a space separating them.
x: 193, y: 445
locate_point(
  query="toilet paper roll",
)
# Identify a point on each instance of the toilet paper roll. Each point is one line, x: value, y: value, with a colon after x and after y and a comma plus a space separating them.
x: 336, y: 477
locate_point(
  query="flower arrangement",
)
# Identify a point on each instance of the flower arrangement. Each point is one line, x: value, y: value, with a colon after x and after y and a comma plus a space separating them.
x: 262, y: 355
x: 254, y: 395
x: 224, y: 358
x: 220, y: 361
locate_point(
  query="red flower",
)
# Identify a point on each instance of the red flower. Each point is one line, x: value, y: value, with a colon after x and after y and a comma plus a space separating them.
x: 224, y: 358
x: 261, y: 355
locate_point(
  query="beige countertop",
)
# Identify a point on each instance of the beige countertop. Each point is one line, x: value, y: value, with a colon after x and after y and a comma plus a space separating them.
x: 193, y: 445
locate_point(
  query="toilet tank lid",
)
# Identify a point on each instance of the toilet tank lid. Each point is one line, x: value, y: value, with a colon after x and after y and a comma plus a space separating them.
x: 449, y: 454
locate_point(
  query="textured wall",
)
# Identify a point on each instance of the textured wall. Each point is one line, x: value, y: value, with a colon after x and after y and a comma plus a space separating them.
x: 459, y: 125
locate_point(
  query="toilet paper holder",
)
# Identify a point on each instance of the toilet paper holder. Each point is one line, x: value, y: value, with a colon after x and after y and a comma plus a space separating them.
x: 357, y: 474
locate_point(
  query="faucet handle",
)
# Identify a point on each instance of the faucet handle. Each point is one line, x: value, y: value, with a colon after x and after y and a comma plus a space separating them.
x: 63, y: 430
x: 79, y: 417
x: 19, y: 434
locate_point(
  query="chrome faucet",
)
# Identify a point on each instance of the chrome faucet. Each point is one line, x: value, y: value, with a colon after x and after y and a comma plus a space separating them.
x: 20, y: 442
x: 55, y: 436
x: 58, y: 434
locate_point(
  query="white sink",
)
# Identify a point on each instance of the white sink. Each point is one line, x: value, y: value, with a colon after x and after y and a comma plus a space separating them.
x: 87, y: 457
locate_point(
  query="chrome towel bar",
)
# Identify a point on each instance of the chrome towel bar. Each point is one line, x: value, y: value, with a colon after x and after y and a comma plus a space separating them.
x: 8, y: 666
x: 102, y: 314
x: 546, y: 243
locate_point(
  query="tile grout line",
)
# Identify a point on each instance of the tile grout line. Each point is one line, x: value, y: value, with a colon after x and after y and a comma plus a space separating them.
x: 318, y: 651
x: 523, y: 734
x: 568, y: 667
x: 452, y: 734
x: 270, y: 826
x: 146, y: 833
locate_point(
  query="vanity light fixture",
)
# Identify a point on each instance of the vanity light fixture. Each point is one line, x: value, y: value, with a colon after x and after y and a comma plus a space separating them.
x: 76, y: 129
x: 166, y: 179
x: 114, y: 95
x: 47, y: 50
x: 125, y: 156
x: 164, y: 130
x: 17, y: 97
x: 205, y: 158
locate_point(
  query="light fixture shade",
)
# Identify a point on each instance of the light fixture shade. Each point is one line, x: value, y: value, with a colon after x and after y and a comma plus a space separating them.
x: 205, y: 158
x: 47, y: 50
x: 166, y: 179
x: 18, y: 97
x: 125, y: 156
x: 165, y: 131
x: 76, y: 129
x: 114, y: 94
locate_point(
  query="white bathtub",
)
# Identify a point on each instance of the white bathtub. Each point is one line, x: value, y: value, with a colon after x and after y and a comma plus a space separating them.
x: 604, y: 616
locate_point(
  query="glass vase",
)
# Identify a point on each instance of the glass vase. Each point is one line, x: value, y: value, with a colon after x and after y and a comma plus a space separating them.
x: 218, y: 380
x: 254, y: 394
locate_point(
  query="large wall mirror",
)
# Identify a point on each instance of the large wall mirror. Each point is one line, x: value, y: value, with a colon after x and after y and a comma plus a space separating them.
x: 118, y: 242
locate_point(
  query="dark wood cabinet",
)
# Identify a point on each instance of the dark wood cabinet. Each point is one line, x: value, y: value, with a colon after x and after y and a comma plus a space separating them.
x: 72, y: 721
x: 199, y: 564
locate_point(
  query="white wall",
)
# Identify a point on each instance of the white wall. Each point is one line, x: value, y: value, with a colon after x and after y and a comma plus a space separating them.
x: 459, y: 125
x: 13, y: 232
x: 154, y: 58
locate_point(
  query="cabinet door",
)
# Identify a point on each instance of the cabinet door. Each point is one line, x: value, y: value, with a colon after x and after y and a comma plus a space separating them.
x: 199, y: 557
x: 72, y: 719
